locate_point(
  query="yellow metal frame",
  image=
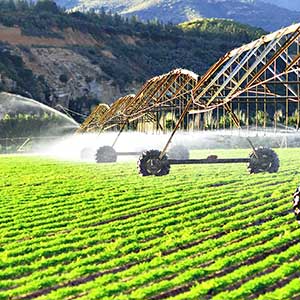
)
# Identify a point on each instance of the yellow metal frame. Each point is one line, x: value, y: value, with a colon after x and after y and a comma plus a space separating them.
x: 250, y: 78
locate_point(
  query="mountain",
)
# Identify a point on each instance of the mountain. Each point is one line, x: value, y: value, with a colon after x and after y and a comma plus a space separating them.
x: 77, y: 60
x: 289, y: 4
x: 259, y: 13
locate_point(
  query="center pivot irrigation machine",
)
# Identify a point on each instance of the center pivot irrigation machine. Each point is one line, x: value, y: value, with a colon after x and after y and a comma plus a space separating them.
x: 256, y: 85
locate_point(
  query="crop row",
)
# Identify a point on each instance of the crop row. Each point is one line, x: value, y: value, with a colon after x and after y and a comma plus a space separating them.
x: 190, y: 212
x: 122, y: 255
x: 184, y: 212
x: 81, y: 234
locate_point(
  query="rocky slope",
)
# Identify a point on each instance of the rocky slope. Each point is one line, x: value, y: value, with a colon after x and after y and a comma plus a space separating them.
x: 77, y: 60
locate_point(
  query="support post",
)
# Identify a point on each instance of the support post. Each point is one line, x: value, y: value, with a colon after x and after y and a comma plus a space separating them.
x: 186, y: 109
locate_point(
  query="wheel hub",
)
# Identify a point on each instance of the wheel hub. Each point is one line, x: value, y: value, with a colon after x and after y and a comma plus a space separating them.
x: 150, y: 163
x: 154, y: 165
x: 264, y: 161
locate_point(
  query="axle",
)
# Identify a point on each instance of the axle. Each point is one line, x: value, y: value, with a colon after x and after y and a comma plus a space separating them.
x: 208, y: 161
x: 128, y: 153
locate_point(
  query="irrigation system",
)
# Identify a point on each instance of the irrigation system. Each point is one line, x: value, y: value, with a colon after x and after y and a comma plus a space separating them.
x: 256, y: 85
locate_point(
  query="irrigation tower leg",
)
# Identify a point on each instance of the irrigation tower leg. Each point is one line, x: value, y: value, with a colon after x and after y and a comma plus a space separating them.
x: 252, y: 146
x: 186, y: 109
x: 120, y: 132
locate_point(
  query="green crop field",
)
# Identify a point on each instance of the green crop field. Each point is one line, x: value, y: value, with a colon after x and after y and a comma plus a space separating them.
x: 78, y: 230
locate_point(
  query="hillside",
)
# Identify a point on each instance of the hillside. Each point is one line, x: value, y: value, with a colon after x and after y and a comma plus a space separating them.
x: 88, y: 231
x: 77, y: 60
x: 257, y: 13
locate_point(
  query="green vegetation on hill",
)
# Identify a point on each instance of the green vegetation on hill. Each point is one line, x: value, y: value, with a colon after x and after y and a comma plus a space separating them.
x: 226, y: 29
x: 88, y: 231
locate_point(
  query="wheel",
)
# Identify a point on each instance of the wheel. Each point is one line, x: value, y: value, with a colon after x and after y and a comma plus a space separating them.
x: 179, y: 152
x: 106, y: 154
x: 149, y: 163
x: 87, y: 153
x: 296, y: 204
x: 266, y: 161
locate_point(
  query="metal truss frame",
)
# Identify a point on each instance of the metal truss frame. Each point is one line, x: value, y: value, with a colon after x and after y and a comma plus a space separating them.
x: 262, y: 73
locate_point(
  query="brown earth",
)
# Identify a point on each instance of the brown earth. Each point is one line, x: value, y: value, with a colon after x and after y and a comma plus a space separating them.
x: 14, y: 36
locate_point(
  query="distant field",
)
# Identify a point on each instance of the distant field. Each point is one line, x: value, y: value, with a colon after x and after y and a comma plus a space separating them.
x: 78, y: 230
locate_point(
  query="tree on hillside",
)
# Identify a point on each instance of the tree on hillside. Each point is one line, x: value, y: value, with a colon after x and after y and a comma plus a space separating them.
x: 47, y: 6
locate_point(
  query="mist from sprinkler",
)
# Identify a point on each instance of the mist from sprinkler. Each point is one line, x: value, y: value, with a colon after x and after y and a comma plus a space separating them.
x: 70, y: 147
x: 21, y: 107
x: 15, y: 104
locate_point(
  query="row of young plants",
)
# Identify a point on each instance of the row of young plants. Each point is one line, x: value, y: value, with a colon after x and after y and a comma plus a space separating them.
x: 109, y: 256
x: 184, y: 207
x: 288, y: 291
x: 145, y: 274
x: 73, y: 201
x: 91, y: 261
x: 196, y: 210
x: 281, y: 261
x: 143, y: 240
x: 181, y: 270
x: 226, y: 201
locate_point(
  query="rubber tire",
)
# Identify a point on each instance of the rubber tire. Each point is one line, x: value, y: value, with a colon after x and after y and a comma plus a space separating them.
x: 150, y: 155
x: 106, y: 154
x: 296, y: 204
x: 267, y: 161
x: 179, y: 152
x: 87, y: 153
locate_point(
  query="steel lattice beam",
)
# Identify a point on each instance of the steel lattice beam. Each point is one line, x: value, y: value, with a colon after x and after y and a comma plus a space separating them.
x: 244, y: 82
